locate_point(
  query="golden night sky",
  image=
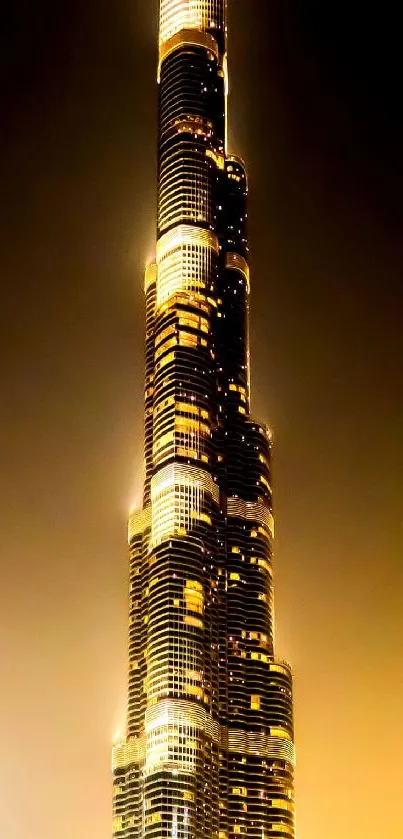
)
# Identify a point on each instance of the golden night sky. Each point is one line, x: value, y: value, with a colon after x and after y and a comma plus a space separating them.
x: 314, y: 108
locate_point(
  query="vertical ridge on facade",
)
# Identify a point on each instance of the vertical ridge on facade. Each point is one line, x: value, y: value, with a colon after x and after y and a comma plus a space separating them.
x: 208, y: 750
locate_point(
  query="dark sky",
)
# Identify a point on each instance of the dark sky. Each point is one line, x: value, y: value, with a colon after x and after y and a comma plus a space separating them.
x: 316, y: 111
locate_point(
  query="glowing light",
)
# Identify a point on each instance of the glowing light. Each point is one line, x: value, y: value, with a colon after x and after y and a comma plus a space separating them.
x: 150, y: 276
x: 176, y: 15
x: 184, y: 259
x: 117, y: 737
x: 178, y: 493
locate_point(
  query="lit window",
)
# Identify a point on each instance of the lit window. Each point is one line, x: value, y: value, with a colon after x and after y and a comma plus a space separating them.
x: 191, y: 621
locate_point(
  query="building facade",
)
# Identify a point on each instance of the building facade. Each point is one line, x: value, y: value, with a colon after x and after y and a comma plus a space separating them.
x: 208, y: 750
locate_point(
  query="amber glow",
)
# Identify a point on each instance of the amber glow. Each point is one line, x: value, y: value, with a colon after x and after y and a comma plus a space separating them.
x: 78, y: 224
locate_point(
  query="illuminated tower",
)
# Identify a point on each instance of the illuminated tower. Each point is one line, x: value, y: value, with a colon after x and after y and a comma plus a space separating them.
x: 208, y: 751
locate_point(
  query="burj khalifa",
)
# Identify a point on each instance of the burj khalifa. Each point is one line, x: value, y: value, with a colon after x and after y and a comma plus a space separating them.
x: 208, y: 751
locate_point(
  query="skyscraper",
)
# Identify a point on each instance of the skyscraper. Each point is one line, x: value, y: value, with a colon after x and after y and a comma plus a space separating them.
x: 209, y: 748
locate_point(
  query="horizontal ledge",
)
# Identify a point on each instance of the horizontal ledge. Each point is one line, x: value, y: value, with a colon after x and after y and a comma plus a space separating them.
x: 185, y: 234
x: 185, y: 38
x: 236, y: 262
x: 139, y: 521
